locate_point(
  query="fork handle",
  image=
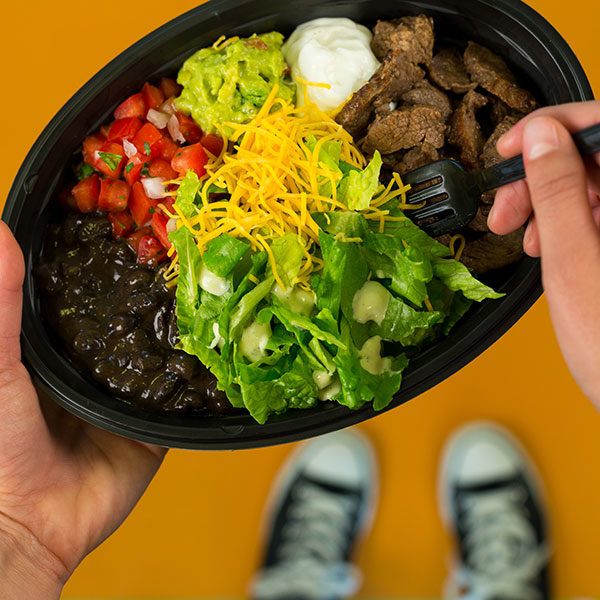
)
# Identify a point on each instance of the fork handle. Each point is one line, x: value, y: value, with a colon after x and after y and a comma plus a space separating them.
x: 587, y: 142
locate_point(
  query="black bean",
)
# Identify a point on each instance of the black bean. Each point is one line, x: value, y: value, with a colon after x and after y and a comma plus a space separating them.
x: 119, y: 357
x: 216, y: 400
x: 137, y: 279
x: 119, y: 324
x: 126, y: 384
x: 48, y: 277
x: 94, y: 228
x: 103, y: 370
x: 72, y: 324
x: 70, y: 270
x: 160, y: 324
x: 183, y: 364
x: 172, y: 331
x: 163, y: 387
x: 70, y: 228
x: 88, y: 343
x: 146, y: 361
x: 118, y: 318
x: 138, y: 340
x: 140, y: 303
x: 189, y: 399
x: 120, y: 253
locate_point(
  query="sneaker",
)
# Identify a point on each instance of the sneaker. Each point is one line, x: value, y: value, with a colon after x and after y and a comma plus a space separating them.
x: 322, y: 502
x: 491, y: 500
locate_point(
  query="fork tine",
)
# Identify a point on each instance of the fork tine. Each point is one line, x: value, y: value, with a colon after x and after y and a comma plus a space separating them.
x: 425, y: 173
x: 424, y: 194
x: 430, y: 211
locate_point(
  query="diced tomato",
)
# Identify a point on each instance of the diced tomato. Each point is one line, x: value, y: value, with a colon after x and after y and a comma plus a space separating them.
x: 123, y: 129
x: 114, y: 195
x: 169, y: 87
x: 213, y: 143
x: 91, y: 145
x: 146, y: 140
x: 190, y: 157
x: 104, y: 163
x: 122, y: 223
x: 134, y: 106
x: 161, y: 168
x: 66, y: 199
x: 189, y: 128
x: 86, y: 193
x: 168, y: 148
x: 133, y: 169
x: 133, y: 240
x: 151, y: 251
x: 142, y: 208
x: 168, y: 204
x: 153, y: 97
x: 159, y: 227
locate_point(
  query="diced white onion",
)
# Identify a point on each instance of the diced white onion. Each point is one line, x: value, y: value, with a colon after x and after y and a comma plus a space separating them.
x: 97, y: 155
x: 167, y: 106
x: 171, y: 225
x: 153, y: 186
x: 174, y: 130
x: 130, y: 149
x: 157, y: 118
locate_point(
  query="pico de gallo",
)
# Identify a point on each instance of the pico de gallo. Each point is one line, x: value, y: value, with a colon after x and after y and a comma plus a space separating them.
x: 127, y: 166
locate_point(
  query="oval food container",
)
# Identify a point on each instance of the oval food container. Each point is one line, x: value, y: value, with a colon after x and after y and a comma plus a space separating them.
x: 540, y: 57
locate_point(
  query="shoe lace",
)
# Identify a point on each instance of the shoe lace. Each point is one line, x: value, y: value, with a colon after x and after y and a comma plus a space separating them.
x: 311, y: 554
x: 504, y: 556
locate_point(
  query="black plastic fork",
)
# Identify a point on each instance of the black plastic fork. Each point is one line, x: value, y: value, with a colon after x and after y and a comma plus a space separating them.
x: 451, y: 194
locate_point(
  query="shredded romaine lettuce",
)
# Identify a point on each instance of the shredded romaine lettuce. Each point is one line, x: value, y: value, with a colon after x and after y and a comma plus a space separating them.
x: 428, y: 293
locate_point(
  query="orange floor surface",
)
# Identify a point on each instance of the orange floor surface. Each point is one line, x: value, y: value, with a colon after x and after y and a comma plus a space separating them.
x: 196, y: 531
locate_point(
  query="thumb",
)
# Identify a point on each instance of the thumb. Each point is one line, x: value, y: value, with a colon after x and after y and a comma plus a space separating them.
x: 12, y: 272
x: 557, y: 182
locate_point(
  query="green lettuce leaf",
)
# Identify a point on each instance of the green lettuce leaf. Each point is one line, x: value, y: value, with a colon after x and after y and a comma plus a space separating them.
x: 188, y: 289
x: 223, y: 253
x: 288, y: 252
x: 404, y: 324
x: 360, y: 386
x: 267, y: 392
x: 357, y: 188
x: 186, y: 194
x: 457, y: 277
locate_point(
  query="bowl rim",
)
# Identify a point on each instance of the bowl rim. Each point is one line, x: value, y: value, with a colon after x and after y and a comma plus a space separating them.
x: 213, y: 435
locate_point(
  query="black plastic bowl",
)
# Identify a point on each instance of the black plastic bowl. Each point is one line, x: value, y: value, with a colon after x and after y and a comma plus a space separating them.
x: 543, y: 60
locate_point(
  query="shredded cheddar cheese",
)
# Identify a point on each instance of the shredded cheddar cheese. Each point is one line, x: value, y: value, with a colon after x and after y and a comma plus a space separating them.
x: 275, y: 181
x: 461, y: 245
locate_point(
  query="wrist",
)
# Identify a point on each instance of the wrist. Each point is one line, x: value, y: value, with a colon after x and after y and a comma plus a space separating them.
x: 27, y: 568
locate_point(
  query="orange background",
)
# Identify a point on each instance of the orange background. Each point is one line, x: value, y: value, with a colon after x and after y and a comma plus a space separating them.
x: 196, y: 532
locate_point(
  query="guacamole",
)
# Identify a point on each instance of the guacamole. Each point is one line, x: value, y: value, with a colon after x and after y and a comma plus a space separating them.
x: 232, y: 83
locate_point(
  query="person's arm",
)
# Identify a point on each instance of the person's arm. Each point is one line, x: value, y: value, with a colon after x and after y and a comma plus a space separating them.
x: 65, y: 485
x: 560, y: 199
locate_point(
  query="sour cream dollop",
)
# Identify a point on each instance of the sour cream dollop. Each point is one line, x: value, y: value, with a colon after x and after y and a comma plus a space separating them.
x: 332, y: 51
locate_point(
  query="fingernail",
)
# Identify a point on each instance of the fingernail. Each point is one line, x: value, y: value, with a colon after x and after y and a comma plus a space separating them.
x: 540, y: 137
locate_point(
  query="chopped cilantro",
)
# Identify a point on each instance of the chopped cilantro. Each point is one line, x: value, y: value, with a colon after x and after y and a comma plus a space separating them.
x: 84, y: 171
x: 112, y: 161
x: 128, y: 167
x: 147, y: 148
x: 145, y: 172
x: 151, y: 210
